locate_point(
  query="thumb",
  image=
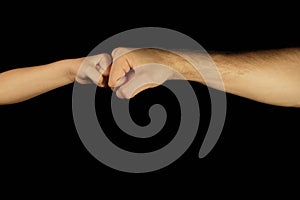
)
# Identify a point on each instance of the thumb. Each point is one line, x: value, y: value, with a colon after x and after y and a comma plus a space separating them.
x: 135, y: 84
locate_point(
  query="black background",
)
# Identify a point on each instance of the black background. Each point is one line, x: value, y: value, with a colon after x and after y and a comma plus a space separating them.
x: 40, y: 147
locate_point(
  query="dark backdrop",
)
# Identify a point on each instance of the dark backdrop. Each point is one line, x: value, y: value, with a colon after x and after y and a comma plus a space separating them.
x: 39, y: 143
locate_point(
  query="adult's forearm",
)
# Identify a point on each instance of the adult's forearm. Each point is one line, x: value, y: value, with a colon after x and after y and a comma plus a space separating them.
x: 21, y: 84
x: 271, y: 77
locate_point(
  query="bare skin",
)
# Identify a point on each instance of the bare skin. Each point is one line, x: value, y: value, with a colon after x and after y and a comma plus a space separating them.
x: 18, y: 85
x: 271, y: 77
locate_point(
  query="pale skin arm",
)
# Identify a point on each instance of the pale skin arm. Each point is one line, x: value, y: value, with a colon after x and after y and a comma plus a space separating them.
x: 271, y: 77
x: 21, y: 84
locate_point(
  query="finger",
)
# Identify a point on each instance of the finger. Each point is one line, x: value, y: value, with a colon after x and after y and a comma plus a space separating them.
x: 135, y: 85
x: 104, y: 63
x: 103, y: 66
x: 94, y: 75
x: 120, y: 65
x: 144, y: 87
x: 121, y: 81
x: 118, y: 70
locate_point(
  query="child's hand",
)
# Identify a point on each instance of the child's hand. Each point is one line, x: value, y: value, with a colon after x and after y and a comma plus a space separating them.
x: 94, y: 69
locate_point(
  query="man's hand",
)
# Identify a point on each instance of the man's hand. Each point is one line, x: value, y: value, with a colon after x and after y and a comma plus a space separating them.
x: 134, y: 70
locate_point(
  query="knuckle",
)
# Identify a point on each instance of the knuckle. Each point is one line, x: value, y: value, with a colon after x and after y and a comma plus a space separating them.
x: 111, y: 83
x: 116, y: 51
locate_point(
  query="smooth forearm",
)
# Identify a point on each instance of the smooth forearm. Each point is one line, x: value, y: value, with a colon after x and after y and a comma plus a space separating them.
x: 21, y: 84
x: 271, y: 77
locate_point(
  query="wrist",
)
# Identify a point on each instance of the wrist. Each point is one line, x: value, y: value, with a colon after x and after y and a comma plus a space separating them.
x: 72, y: 67
x: 202, y: 68
x: 184, y: 64
x: 190, y: 72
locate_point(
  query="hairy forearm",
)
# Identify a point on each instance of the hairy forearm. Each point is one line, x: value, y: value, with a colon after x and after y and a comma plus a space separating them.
x: 21, y: 84
x: 271, y: 77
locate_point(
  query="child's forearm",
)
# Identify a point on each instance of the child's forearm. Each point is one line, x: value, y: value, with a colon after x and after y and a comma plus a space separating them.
x: 21, y: 84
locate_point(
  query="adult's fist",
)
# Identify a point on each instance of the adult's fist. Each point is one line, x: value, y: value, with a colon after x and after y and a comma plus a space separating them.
x: 135, y: 70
